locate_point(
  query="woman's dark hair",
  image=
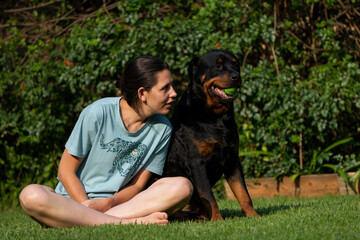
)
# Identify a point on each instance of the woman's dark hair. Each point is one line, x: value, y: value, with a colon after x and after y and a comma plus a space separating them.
x: 139, y: 72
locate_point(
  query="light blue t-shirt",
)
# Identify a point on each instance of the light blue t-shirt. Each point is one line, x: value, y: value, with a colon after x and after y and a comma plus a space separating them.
x: 112, y: 155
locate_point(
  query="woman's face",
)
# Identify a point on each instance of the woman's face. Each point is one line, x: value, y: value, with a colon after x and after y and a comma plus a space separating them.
x: 161, y: 96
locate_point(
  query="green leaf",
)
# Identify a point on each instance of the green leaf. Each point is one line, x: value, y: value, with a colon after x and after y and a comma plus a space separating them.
x: 343, y: 141
x: 355, y: 177
x: 294, y: 176
x: 343, y: 175
x: 250, y: 153
x: 332, y: 166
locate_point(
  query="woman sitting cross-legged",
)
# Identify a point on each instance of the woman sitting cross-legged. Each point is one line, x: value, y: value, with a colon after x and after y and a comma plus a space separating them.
x: 110, y: 156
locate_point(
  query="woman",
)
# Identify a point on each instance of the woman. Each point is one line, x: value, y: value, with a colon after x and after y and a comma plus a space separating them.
x: 114, y: 148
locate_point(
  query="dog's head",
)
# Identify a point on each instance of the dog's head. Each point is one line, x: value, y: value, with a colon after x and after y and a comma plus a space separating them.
x: 210, y: 75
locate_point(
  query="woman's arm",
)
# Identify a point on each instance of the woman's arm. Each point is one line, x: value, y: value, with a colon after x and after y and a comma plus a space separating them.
x: 136, y: 185
x: 67, y: 176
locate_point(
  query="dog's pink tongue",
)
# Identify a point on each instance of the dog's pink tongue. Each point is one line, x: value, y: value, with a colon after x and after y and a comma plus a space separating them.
x: 220, y: 92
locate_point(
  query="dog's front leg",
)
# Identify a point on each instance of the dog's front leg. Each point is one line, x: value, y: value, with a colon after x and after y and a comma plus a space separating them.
x: 236, y: 181
x: 203, y: 188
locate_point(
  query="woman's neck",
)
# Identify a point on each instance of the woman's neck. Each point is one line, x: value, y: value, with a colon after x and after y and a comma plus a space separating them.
x: 133, y: 120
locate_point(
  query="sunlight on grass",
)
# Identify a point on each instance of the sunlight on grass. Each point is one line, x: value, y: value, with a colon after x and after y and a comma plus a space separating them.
x: 282, y: 218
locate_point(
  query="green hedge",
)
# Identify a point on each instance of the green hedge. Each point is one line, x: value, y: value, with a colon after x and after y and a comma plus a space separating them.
x: 300, y: 75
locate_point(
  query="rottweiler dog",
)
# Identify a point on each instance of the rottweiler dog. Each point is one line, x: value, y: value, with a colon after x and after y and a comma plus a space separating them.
x: 205, y: 141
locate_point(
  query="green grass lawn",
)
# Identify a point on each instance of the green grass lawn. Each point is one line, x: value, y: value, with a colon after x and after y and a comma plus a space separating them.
x: 282, y: 218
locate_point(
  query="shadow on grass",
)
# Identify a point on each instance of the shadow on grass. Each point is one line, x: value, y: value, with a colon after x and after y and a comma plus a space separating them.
x: 237, y: 213
x: 262, y: 211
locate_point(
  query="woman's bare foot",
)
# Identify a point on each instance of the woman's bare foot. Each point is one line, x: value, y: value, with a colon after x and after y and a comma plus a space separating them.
x: 159, y: 218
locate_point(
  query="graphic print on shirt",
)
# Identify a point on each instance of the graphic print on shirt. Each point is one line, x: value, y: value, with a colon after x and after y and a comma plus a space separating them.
x: 128, y: 154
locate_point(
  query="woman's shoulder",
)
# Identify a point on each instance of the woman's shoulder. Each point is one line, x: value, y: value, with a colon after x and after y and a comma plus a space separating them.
x: 101, y: 106
x: 105, y: 101
x: 159, y: 120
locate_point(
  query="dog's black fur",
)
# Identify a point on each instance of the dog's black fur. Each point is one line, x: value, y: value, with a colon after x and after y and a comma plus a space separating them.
x: 204, y: 144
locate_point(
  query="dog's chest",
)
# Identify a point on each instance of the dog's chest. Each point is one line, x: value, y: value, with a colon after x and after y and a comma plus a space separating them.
x: 207, y: 146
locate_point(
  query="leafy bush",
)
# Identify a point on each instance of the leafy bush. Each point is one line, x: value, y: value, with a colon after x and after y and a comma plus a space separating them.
x: 300, y: 91
x: 298, y: 118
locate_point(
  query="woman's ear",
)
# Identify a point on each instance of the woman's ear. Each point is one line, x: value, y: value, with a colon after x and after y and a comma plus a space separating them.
x: 142, y: 94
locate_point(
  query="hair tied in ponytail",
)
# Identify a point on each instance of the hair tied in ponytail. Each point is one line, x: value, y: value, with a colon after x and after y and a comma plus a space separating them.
x: 121, y: 82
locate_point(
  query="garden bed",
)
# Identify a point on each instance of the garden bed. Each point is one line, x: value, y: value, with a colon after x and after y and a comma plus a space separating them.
x: 303, y: 186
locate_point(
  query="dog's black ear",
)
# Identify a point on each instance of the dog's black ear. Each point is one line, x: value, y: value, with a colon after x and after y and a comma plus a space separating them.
x: 192, y: 68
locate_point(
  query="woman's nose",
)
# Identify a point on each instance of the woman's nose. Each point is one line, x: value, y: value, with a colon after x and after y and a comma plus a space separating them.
x: 173, y: 94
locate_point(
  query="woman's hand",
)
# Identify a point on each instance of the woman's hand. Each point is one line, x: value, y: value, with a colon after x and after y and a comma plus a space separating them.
x: 101, y: 205
x: 136, y: 185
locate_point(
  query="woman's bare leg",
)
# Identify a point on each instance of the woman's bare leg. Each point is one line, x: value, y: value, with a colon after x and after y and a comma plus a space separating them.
x: 55, y: 210
x: 165, y: 195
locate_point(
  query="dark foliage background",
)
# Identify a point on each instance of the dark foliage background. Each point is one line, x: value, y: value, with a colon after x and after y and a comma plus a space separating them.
x: 300, y: 68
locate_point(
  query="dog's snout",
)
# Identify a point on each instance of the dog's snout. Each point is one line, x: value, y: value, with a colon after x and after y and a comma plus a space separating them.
x: 235, y: 76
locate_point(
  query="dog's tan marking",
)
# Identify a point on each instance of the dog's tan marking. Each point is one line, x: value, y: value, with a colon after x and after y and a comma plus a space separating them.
x: 220, y: 60
x: 234, y: 60
x: 205, y: 147
x: 210, y: 206
x: 202, y: 79
x: 242, y: 195
x: 211, y: 101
